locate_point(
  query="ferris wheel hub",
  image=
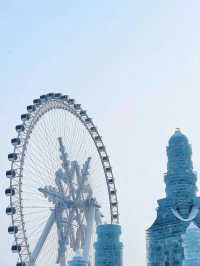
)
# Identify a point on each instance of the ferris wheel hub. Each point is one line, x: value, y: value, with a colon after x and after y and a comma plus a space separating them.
x: 59, y: 198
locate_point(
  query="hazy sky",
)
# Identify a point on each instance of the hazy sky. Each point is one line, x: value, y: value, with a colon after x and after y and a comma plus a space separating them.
x: 134, y: 65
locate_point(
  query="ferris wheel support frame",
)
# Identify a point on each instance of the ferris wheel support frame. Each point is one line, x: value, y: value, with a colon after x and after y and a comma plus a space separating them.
x: 90, y: 222
x: 42, y: 238
x: 49, y: 224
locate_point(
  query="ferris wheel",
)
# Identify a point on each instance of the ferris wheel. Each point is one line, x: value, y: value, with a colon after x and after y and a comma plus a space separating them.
x: 61, y: 183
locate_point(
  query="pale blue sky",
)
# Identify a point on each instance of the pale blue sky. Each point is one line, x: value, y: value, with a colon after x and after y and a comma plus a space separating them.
x: 134, y: 65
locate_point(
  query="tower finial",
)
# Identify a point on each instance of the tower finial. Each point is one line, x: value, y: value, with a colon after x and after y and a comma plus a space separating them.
x: 178, y: 132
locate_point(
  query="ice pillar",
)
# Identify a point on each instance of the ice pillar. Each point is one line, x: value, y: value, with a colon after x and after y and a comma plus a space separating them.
x: 78, y: 261
x: 108, y: 248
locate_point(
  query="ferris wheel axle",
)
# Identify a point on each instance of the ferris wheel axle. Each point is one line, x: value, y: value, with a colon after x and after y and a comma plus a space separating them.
x: 60, y: 199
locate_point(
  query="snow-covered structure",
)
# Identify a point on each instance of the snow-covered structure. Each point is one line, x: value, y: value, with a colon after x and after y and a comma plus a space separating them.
x: 108, y: 248
x: 177, y: 210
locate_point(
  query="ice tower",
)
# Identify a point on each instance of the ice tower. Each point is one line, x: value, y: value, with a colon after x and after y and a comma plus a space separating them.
x: 177, y: 210
x: 78, y: 261
x: 108, y: 248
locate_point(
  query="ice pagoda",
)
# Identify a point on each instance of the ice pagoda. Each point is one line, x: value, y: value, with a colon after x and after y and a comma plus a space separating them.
x: 166, y: 243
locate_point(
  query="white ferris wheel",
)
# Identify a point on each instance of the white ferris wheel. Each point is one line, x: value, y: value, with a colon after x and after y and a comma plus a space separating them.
x: 61, y: 183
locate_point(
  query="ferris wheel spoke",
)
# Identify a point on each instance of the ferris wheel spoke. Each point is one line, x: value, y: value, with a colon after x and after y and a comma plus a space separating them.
x: 42, y: 238
x: 49, y: 141
x: 36, y: 229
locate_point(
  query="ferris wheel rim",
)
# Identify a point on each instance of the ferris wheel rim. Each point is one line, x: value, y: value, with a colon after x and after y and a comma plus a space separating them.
x: 33, y: 116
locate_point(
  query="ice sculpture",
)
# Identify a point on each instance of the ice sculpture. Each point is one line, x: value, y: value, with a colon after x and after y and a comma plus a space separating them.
x: 78, y: 261
x: 177, y: 210
x: 108, y: 248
